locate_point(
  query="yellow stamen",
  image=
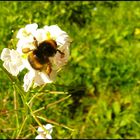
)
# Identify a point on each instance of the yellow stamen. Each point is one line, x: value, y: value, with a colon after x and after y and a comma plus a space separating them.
x: 48, y: 35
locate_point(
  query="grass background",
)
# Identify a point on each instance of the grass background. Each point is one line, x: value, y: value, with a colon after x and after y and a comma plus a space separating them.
x: 102, y: 75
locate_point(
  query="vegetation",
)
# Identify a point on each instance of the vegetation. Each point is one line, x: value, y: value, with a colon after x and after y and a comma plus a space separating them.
x: 97, y: 94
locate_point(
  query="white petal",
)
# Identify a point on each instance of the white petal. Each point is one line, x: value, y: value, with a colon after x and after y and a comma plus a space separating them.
x: 38, y: 81
x: 53, y: 29
x: 40, y: 130
x: 39, y: 137
x: 40, y: 35
x: 60, y: 35
x: 45, y: 77
x: 20, y: 33
x: 14, y: 70
x: 25, y: 43
x: 28, y: 79
x: 46, y: 27
x: 16, y: 60
x: 27, y: 64
x: 62, y: 39
x: 27, y: 32
x: 49, y: 127
x: 5, y: 55
x: 41, y: 78
x: 6, y: 66
x: 12, y: 61
x: 31, y: 27
x: 61, y: 61
x: 11, y: 68
x: 48, y: 136
x: 15, y: 57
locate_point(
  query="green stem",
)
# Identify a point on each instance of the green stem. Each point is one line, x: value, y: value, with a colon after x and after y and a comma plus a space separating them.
x: 21, y: 127
x: 15, y: 82
x: 35, y: 118
x: 55, y: 123
x: 56, y: 102
x: 35, y: 95
x: 39, y: 109
x: 12, y: 78
x: 15, y: 108
x: 51, y: 104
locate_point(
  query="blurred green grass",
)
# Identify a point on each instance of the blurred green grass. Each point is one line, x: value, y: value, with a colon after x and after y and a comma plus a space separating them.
x: 102, y: 76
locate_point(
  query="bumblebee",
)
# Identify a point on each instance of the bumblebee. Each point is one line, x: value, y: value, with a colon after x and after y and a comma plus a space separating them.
x: 39, y: 57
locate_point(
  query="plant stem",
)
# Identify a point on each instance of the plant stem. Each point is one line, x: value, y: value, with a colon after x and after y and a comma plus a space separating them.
x: 15, y: 108
x: 55, y: 123
x: 21, y: 127
x: 56, y: 102
x: 35, y: 118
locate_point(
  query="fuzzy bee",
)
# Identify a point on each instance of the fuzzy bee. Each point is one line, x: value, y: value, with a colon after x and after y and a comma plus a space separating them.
x: 39, y: 57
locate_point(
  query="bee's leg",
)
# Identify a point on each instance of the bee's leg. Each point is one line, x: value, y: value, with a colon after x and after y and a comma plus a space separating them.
x: 62, y: 54
x: 48, y: 69
x: 26, y: 50
x: 35, y: 41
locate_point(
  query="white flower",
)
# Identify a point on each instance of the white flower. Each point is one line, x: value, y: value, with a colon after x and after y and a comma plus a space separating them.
x: 41, y: 35
x: 39, y: 78
x: 26, y: 37
x: 12, y: 61
x: 29, y: 38
x: 45, y: 134
x: 57, y: 34
x: 27, y: 32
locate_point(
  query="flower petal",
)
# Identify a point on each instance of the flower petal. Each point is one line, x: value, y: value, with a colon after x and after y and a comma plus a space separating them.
x: 5, y: 55
x: 41, y: 78
x: 54, y: 30
x: 39, y: 137
x: 27, y: 32
x: 20, y: 32
x: 40, y: 35
x: 28, y: 79
x: 25, y: 43
x: 58, y: 60
x: 11, y: 68
x: 49, y: 127
x: 48, y: 136
x: 30, y: 28
x: 40, y: 130
x: 44, y: 134
x: 12, y: 61
x: 57, y: 34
